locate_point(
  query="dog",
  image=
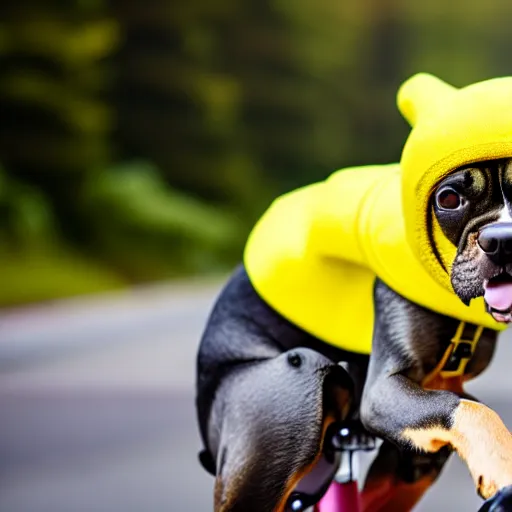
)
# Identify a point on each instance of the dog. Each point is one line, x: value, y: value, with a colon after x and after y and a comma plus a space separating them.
x: 403, y: 273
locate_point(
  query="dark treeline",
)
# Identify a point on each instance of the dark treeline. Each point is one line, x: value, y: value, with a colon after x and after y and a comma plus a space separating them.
x: 140, y: 140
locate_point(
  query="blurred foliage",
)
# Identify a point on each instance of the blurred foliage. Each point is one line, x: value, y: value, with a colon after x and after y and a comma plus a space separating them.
x: 35, y: 263
x: 140, y: 141
x: 150, y: 230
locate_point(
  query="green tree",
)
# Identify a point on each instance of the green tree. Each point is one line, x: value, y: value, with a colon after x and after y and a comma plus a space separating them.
x: 142, y: 140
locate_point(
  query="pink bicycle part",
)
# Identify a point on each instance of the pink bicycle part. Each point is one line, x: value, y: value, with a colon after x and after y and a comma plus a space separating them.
x: 340, y: 497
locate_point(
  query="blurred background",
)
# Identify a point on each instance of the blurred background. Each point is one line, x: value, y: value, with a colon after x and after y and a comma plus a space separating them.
x: 139, y: 141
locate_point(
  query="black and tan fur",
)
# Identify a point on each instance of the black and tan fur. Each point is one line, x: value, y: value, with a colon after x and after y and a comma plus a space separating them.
x: 266, y: 390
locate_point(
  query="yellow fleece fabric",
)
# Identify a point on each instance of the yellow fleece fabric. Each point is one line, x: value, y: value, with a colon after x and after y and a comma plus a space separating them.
x: 315, y: 254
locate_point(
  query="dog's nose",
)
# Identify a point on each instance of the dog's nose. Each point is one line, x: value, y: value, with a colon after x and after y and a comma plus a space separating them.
x: 496, y: 241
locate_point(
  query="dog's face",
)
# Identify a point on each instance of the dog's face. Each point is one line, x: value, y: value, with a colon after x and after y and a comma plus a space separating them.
x: 473, y: 208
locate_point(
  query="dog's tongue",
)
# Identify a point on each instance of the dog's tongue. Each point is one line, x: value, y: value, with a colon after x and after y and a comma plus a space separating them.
x: 499, y: 295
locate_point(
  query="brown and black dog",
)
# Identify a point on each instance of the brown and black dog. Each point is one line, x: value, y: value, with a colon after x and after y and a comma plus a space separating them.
x: 267, y: 390
x: 383, y: 269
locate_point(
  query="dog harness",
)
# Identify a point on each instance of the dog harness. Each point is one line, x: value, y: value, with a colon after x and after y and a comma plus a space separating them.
x: 457, y: 354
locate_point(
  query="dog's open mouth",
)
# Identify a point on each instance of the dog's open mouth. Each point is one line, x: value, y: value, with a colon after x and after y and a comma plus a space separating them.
x: 498, y: 297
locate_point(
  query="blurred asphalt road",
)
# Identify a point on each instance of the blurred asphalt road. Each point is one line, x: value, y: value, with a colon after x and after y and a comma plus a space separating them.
x: 97, y: 414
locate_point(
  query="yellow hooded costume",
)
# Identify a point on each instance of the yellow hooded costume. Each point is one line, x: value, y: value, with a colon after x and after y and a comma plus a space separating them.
x: 315, y: 254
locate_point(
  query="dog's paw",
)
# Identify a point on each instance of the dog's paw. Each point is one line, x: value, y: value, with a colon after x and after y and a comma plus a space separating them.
x: 492, y: 481
x: 500, y: 502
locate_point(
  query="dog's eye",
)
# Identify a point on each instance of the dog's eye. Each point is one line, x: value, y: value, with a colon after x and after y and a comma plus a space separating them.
x: 448, y: 199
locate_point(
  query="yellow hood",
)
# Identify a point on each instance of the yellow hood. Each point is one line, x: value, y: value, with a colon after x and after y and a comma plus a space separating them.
x: 451, y: 128
x: 315, y: 254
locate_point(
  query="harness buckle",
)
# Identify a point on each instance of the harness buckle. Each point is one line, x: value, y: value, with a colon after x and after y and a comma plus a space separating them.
x: 461, y: 350
x: 458, y: 353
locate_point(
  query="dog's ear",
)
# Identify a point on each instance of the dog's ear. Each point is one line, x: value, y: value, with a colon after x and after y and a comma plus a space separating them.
x: 421, y: 93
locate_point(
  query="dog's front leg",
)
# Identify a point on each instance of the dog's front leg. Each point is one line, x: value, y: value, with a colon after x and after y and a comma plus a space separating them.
x: 399, y: 410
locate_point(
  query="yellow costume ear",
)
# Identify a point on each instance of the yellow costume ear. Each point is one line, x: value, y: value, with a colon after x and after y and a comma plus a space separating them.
x: 420, y: 94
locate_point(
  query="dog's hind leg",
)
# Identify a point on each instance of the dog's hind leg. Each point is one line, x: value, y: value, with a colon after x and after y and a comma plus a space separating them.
x: 263, y: 401
x: 267, y: 425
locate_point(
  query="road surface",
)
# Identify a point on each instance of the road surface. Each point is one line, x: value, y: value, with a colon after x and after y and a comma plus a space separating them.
x: 96, y: 401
